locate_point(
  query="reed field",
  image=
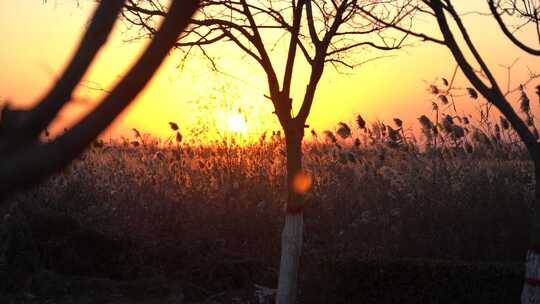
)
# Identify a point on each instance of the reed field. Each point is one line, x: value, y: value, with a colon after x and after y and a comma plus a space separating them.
x: 384, y: 207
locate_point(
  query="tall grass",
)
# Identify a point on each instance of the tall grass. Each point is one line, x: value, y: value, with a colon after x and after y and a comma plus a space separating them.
x: 377, y: 191
x: 209, y: 215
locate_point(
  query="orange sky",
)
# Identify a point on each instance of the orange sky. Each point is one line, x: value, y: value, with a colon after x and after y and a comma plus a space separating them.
x: 39, y: 38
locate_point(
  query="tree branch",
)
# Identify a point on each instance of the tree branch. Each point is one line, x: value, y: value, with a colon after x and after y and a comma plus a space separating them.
x: 508, y: 33
x: 30, y: 164
x: 27, y: 125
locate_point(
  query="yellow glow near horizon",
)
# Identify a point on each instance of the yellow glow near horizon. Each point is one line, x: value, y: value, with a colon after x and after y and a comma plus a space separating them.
x: 38, y: 41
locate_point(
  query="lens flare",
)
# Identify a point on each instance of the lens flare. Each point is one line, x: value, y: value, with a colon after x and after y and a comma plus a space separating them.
x: 301, y: 183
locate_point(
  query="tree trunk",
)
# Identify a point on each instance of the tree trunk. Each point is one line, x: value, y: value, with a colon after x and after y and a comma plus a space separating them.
x: 291, y: 238
x: 531, y: 284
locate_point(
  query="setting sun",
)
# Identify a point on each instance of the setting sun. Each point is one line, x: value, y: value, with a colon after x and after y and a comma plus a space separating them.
x: 336, y: 151
x: 236, y: 123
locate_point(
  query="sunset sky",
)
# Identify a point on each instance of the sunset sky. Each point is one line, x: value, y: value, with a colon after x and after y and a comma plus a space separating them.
x: 38, y: 39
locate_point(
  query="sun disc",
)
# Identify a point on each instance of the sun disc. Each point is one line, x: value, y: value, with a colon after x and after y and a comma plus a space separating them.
x: 237, y: 123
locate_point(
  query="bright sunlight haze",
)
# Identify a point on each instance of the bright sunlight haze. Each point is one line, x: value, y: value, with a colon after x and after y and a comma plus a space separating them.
x: 192, y: 94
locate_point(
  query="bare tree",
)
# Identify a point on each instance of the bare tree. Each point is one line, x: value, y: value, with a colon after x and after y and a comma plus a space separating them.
x: 25, y: 160
x: 450, y: 23
x: 321, y: 32
x: 514, y: 16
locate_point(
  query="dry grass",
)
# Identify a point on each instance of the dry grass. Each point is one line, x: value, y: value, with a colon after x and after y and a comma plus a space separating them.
x: 210, y: 216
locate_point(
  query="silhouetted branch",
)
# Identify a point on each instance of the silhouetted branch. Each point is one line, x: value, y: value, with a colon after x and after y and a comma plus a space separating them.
x: 26, y: 164
x: 24, y: 126
x: 493, y: 93
x: 529, y: 13
x: 483, y: 79
x: 325, y: 34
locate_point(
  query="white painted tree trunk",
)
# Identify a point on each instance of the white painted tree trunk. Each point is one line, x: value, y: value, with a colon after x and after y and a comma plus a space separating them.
x: 531, y: 286
x: 291, y: 249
